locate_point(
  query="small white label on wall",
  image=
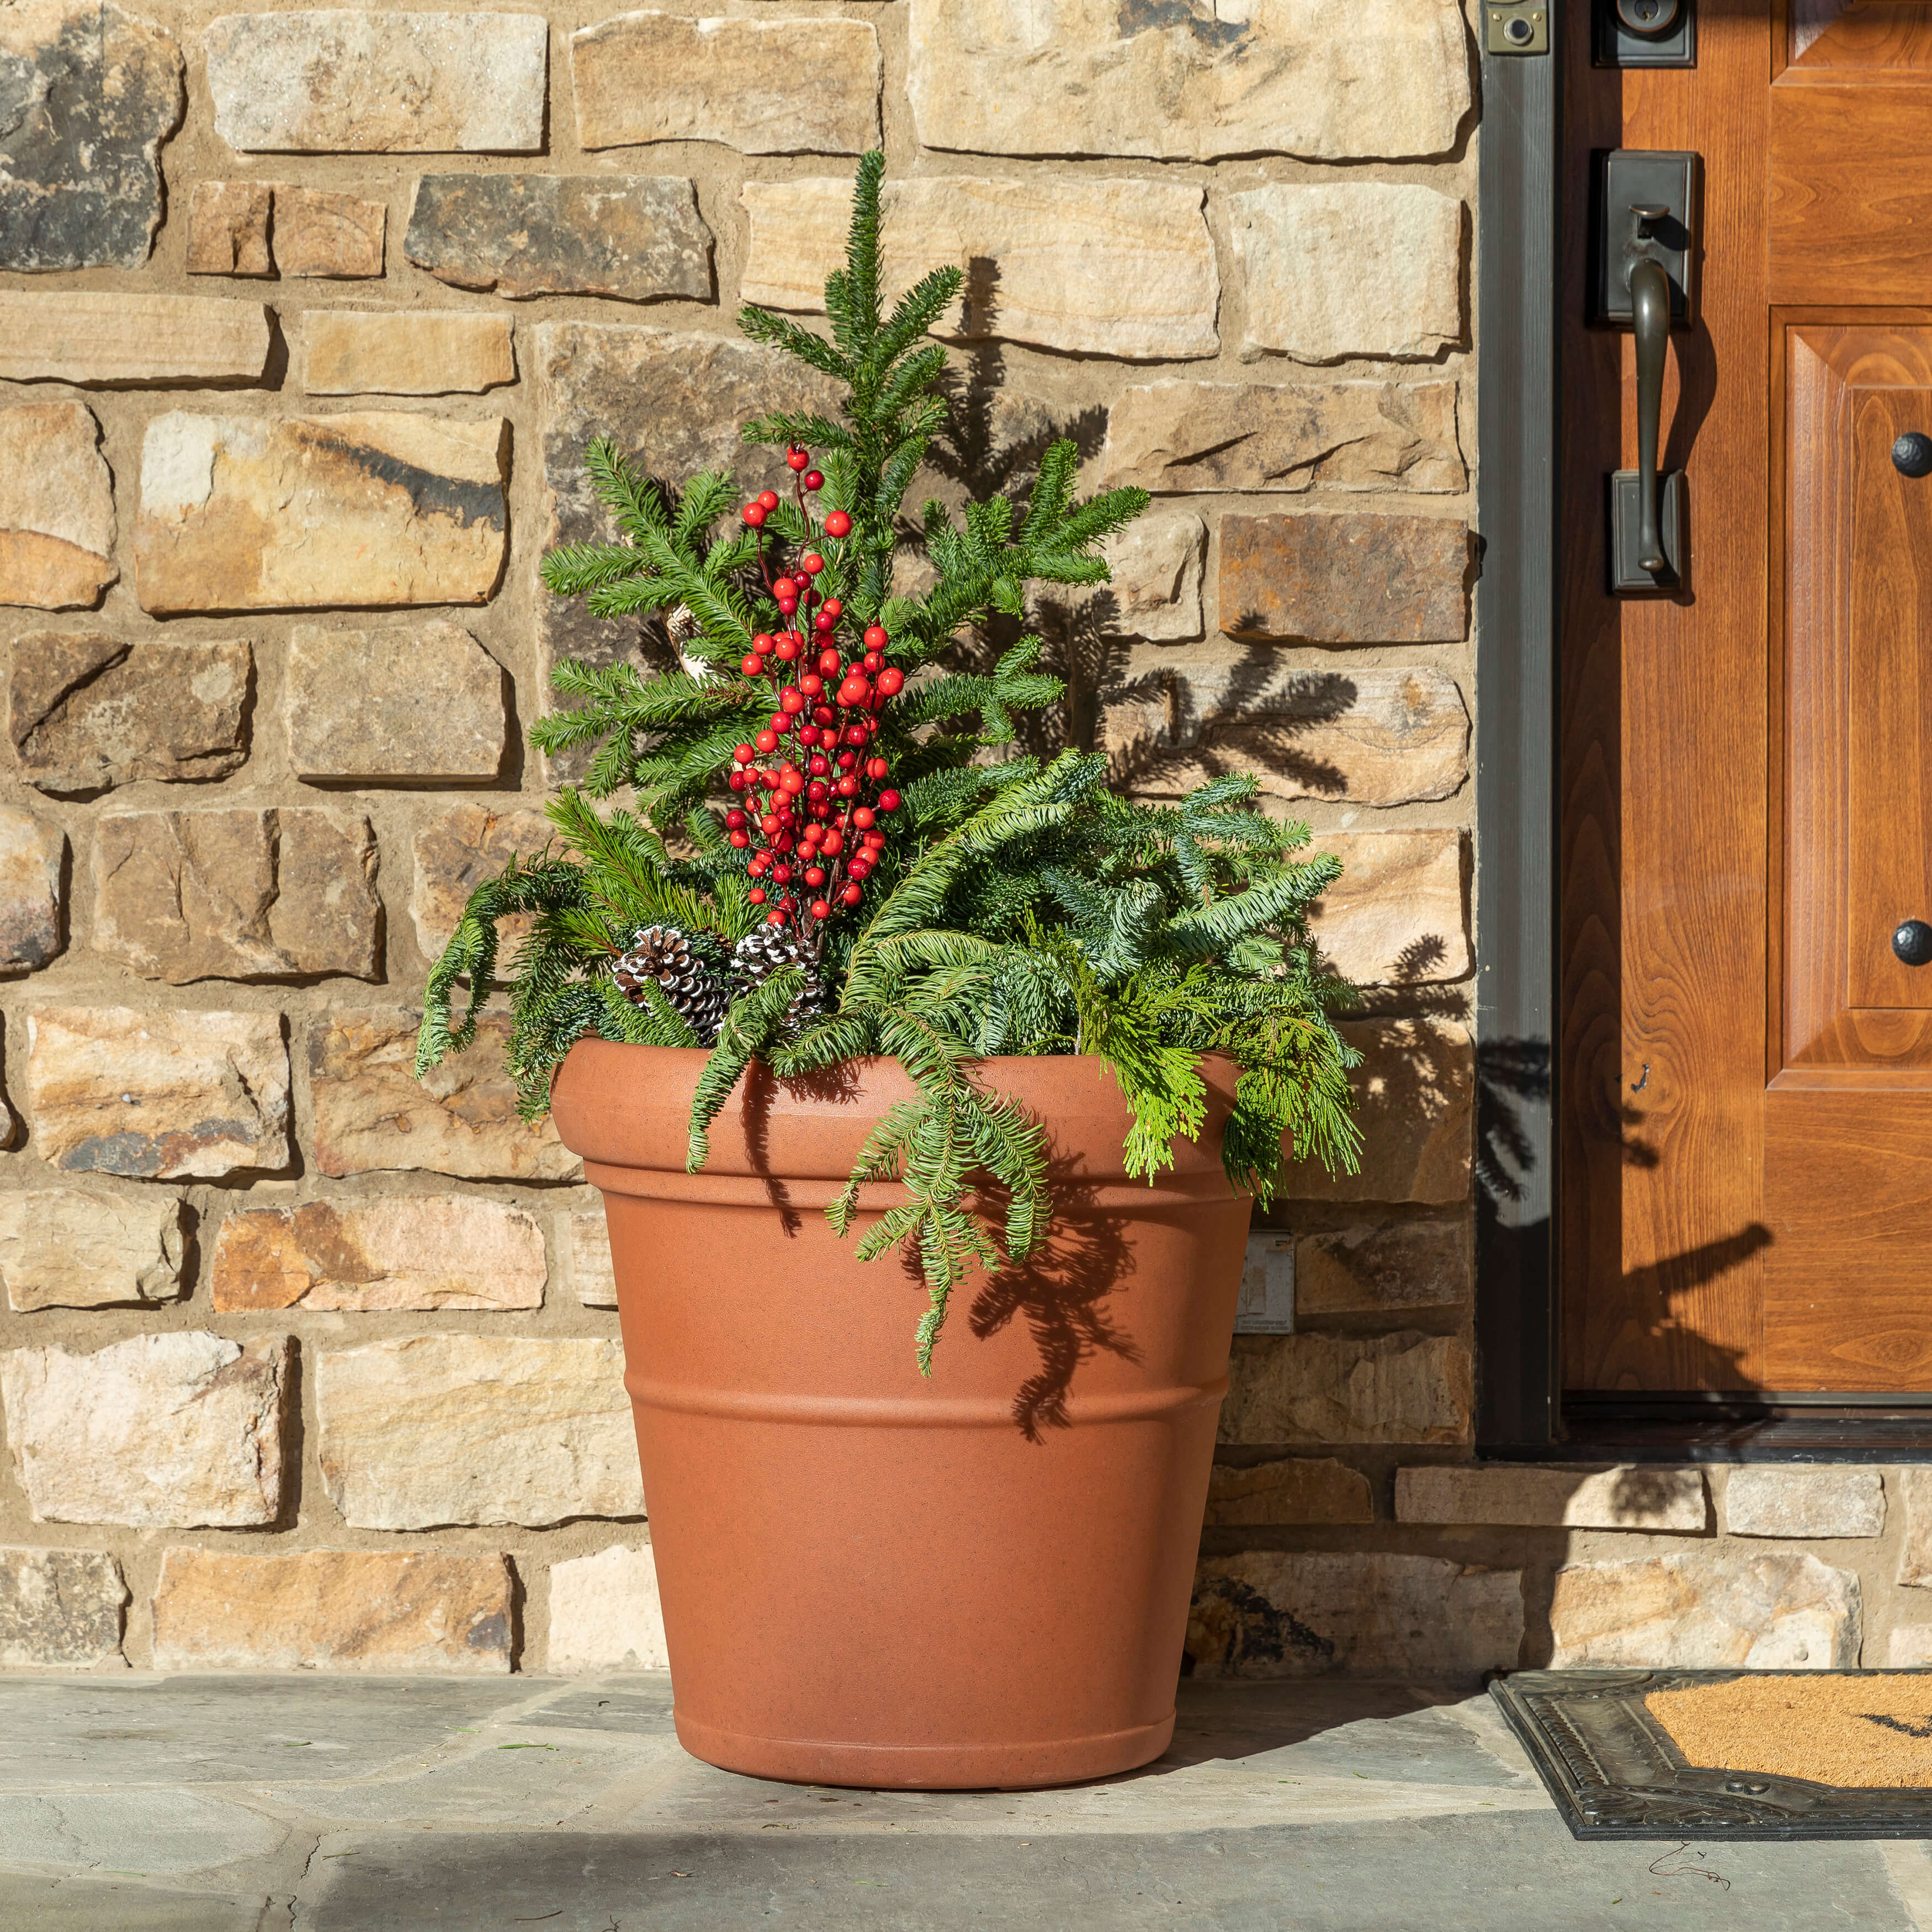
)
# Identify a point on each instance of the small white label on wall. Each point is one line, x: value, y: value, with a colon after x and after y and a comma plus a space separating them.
x: 1267, y: 1306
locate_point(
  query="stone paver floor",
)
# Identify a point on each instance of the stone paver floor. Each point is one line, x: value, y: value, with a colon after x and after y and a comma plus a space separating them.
x: 348, y: 1804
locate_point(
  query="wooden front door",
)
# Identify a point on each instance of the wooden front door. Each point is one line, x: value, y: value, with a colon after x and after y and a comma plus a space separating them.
x: 1745, y: 1067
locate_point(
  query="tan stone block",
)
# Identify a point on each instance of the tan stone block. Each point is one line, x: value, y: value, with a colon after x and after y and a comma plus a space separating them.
x: 1347, y: 579
x: 592, y: 1272
x: 92, y: 94
x: 158, y: 1095
x: 372, y: 1113
x: 1347, y: 1388
x: 1302, y: 1489
x: 1174, y: 436
x: 415, y: 705
x: 1762, y: 1500
x: 1327, y: 79
x: 1632, y: 1497
x: 639, y: 237
x: 455, y: 853
x: 171, y: 1431
x: 31, y: 853
x: 337, y: 237
x: 228, y: 228
x: 87, y: 711
x: 352, y: 80
x: 56, y: 507
x: 672, y: 401
x: 1414, y: 1103
x: 235, y: 894
x: 251, y: 513
x: 332, y: 1609
x: 1156, y: 592
x: 1374, y: 1271
x: 1360, y: 268
x: 1373, y: 736
x: 526, y: 1432
x: 1282, y: 1613
x: 411, y: 1251
x: 1396, y: 917
x: 100, y: 335
x: 60, y: 1610
x: 764, y: 87
x: 1910, y: 1647
x: 1080, y: 263
x: 604, y: 1613
x: 60, y: 1248
x: 403, y: 352
x: 1712, y: 1610
x: 1913, y: 1487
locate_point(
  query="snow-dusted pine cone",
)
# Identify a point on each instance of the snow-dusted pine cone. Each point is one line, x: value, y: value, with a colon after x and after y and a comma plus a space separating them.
x: 760, y: 953
x: 663, y: 953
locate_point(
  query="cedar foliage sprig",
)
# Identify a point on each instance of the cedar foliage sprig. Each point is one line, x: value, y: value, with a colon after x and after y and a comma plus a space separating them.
x: 1019, y: 909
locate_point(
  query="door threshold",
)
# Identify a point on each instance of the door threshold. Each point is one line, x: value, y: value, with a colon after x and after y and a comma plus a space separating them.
x: 1724, y: 1428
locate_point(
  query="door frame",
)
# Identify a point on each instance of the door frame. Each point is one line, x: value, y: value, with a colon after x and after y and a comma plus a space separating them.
x: 1519, y: 383
x: 1518, y: 390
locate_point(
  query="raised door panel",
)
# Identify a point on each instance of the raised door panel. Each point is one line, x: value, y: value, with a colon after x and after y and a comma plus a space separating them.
x: 1888, y: 838
x: 1829, y: 39
x: 1848, y: 1267
x: 1857, y: 707
x: 1851, y: 168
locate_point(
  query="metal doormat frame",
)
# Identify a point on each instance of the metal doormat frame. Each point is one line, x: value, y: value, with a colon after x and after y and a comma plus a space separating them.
x: 1614, y: 1773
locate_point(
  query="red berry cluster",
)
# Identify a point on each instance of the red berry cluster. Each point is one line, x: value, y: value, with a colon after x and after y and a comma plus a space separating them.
x: 811, y: 822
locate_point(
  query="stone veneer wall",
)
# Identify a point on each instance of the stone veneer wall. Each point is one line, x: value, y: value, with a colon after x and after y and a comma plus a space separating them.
x: 304, y: 317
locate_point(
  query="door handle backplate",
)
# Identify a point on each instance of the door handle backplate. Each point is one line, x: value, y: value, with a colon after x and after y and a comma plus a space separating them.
x: 1645, y: 257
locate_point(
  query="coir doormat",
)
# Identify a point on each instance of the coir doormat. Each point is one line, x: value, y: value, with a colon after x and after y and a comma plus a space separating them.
x: 1730, y: 1754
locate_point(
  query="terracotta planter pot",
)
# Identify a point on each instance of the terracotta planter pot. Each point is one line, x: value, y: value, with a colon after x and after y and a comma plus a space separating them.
x: 870, y: 1578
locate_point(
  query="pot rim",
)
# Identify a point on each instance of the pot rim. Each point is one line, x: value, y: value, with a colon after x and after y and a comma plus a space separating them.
x: 622, y: 1105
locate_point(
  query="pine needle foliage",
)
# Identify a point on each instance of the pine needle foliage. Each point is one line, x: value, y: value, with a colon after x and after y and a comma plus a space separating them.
x: 1020, y: 908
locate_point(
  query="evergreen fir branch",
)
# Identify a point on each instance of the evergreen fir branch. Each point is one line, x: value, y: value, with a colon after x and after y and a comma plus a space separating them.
x: 880, y: 1159
x: 912, y: 381
x: 471, y: 954
x: 815, y: 432
x: 574, y: 570
x: 853, y: 296
x: 635, y: 502
x: 828, y: 1041
x: 558, y: 731
x: 706, y: 497
x: 610, y: 769
x: 751, y: 1022
x: 902, y: 465
x: 912, y: 317
x: 764, y: 325
x: 653, y: 1021
x: 1052, y: 491
x: 1099, y: 516
x: 1204, y: 930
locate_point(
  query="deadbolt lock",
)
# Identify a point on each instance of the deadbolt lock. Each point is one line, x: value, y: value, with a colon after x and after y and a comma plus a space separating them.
x: 1517, y: 26
x: 1649, y: 17
x: 1644, y: 33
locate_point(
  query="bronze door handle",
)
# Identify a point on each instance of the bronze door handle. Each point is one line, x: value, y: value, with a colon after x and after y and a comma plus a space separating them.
x: 1650, y: 306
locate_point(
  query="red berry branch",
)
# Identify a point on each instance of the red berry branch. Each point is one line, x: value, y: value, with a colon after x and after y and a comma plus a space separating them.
x: 814, y: 796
